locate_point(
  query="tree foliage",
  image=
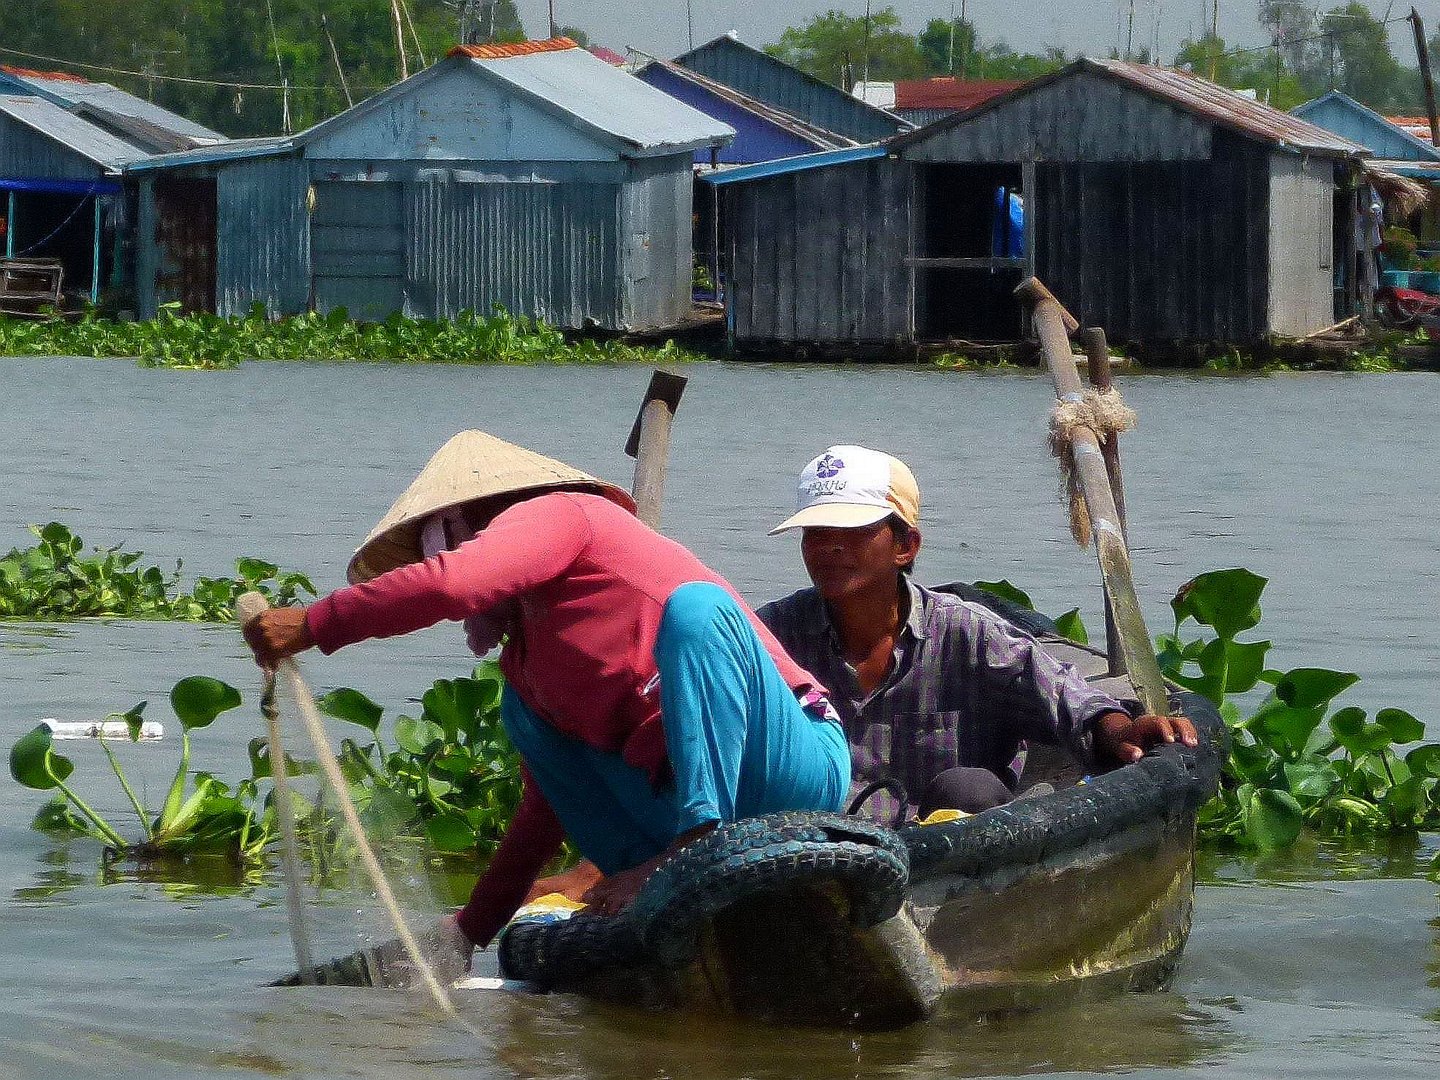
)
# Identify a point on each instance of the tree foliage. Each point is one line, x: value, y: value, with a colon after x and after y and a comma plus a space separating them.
x: 842, y: 50
x: 834, y: 46
x: 230, y: 41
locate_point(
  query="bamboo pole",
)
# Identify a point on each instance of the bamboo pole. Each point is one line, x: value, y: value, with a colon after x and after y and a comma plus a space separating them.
x: 1054, y: 326
x: 1097, y: 356
x: 1422, y: 55
x: 649, y: 443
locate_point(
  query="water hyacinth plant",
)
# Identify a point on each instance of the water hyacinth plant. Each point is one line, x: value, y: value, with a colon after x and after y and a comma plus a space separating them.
x: 452, y: 778
x: 452, y: 773
x: 200, y: 818
x: 54, y: 579
x: 1293, y: 762
x: 212, y: 342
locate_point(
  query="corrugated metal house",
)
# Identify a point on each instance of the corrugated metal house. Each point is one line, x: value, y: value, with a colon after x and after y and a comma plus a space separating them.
x: 1388, y: 140
x: 762, y: 77
x: 762, y: 132
x: 535, y: 177
x: 64, y: 142
x: 1158, y: 205
x: 1399, y: 144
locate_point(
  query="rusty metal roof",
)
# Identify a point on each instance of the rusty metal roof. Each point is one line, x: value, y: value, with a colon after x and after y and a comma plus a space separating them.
x: 1225, y: 107
x: 519, y: 48
x: 1209, y: 101
x: 946, y: 92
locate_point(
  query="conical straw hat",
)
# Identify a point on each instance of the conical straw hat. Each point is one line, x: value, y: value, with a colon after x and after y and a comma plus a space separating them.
x: 471, y: 466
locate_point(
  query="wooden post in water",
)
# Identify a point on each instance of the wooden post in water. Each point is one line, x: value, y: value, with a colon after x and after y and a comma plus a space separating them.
x: 1097, y: 356
x: 649, y: 443
x: 1054, y: 325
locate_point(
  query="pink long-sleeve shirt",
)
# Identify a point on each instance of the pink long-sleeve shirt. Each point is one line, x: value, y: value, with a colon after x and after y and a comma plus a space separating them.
x: 579, y: 585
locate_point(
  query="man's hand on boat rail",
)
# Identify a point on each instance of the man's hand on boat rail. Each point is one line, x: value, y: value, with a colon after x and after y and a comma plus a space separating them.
x: 1123, y: 738
x: 277, y: 634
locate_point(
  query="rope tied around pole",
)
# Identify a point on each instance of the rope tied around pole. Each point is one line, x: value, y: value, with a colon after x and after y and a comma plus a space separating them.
x: 1104, y: 414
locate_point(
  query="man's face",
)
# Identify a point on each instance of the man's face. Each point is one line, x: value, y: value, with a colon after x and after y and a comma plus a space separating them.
x: 844, y: 563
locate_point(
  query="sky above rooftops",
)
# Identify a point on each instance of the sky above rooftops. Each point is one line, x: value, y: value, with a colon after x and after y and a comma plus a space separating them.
x: 1089, y: 26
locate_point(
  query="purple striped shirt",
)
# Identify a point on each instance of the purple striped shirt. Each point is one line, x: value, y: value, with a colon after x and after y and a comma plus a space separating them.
x: 966, y: 688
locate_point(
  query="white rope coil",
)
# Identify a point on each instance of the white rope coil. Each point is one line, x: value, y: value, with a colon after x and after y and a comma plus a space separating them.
x: 1105, y: 414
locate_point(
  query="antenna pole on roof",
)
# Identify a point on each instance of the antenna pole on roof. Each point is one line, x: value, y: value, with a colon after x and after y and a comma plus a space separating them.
x: 400, y: 40
x: 1214, y: 36
x: 1422, y: 53
x: 335, y: 56
x: 690, y: 24
x: 865, y: 61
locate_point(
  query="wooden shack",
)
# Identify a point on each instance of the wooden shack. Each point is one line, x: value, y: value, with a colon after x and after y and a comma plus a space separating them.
x: 1156, y: 204
x: 533, y: 177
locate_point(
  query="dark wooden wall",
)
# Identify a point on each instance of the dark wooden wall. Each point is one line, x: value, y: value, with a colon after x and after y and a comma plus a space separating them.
x: 819, y: 255
x: 1159, y: 251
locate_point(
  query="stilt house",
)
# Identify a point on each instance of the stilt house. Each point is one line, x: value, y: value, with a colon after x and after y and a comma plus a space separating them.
x: 1155, y: 204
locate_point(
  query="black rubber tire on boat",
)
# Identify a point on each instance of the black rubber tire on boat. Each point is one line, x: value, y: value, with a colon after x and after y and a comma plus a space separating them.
x: 869, y: 862
x: 1168, y: 782
x: 554, y: 953
x: 734, y: 862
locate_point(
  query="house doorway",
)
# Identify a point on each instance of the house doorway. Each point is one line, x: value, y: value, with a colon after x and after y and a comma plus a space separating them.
x: 970, y: 252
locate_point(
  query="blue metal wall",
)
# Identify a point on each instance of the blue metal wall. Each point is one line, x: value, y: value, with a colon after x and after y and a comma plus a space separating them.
x: 1352, y: 121
x: 775, y: 83
x: 756, y: 139
x: 263, y: 247
x: 540, y: 249
x: 655, y: 234
x: 25, y: 153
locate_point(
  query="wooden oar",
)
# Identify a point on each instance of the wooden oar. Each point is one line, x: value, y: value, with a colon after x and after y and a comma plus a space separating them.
x: 649, y: 443
x: 1054, y: 325
x: 1097, y: 355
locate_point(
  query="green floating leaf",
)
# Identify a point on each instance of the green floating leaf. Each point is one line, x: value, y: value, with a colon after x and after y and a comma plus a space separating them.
x: 1006, y: 591
x: 1228, y: 601
x: 1355, y: 735
x: 198, y: 700
x: 1244, y: 664
x: 1424, y: 760
x: 1070, y: 625
x: 34, y: 763
x: 1273, y: 818
x: 1307, y: 688
x: 1402, y: 727
x: 417, y: 736
x: 450, y: 833
x: 1311, y: 778
x: 353, y: 707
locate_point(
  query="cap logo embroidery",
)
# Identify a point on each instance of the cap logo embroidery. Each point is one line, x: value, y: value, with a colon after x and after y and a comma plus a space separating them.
x: 828, y: 465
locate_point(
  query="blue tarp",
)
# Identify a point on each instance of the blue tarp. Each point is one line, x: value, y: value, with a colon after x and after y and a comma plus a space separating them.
x: 1008, y: 243
x: 59, y: 187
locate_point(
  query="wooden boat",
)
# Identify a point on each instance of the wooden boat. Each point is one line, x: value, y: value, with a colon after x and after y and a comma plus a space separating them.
x: 1089, y: 887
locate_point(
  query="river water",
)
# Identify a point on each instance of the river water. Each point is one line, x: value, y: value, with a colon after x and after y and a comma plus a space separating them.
x: 1319, y: 963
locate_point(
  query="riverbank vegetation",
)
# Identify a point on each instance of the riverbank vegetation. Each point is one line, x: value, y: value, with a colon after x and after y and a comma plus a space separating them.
x: 213, y: 342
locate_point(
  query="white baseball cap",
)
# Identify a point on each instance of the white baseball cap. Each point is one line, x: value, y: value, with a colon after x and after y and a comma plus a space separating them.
x: 848, y: 487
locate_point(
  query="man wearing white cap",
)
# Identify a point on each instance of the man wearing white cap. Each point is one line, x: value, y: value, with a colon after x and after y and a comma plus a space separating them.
x: 648, y: 703
x: 936, y: 693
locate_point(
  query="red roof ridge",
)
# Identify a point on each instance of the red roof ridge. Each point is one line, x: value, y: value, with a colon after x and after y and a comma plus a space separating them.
x: 27, y: 73
x: 519, y: 48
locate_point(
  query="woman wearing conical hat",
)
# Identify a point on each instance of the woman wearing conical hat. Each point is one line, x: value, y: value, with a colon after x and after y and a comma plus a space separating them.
x: 646, y: 700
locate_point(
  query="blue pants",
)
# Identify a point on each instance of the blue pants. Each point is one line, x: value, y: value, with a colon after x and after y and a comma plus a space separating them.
x: 739, y: 743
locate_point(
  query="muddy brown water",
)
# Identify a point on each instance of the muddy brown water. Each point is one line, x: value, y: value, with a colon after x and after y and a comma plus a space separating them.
x: 1322, y: 962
